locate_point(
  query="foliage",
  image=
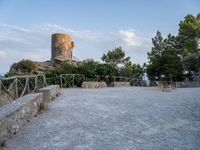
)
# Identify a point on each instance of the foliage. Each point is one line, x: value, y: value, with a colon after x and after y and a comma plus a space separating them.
x: 192, y: 62
x: 164, y: 59
x: 128, y: 69
x: 131, y: 70
x: 115, y: 56
x: 53, y: 75
x: 10, y: 74
x: 106, y: 70
x: 24, y: 66
x: 89, y: 68
x: 189, y: 34
x: 188, y: 42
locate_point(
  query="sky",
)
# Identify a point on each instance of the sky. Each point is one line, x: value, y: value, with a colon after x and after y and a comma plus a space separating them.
x: 96, y: 26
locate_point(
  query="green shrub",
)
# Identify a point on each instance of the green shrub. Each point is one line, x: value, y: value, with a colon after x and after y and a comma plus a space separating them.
x: 24, y: 66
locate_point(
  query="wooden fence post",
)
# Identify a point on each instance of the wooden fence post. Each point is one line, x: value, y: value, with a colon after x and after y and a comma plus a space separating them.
x: 0, y: 85
x: 73, y: 80
x: 16, y: 88
x: 36, y: 83
x: 61, y: 84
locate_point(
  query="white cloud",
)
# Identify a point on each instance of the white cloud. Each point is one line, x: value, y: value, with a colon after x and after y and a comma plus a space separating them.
x: 130, y: 37
x: 2, y: 54
x: 14, y: 27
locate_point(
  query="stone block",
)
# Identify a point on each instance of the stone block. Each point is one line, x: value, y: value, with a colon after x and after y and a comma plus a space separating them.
x: 49, y: 93
x: 187, y: 84
x: 120, y: 84
x: 94, y: 84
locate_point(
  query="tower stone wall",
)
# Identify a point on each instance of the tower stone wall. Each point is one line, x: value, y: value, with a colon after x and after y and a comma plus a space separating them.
x: 61, y: 48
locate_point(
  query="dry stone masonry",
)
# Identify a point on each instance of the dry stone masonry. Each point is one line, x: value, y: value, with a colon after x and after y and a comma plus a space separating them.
x: 61, y: 48
x: 94, y: 85
x: 120, y: 84
x: 14, y: 115
x: 49, y: 93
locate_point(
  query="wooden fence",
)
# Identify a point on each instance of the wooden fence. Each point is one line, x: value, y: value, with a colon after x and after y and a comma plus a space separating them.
x: 18, y: 86
x: 70, y: 80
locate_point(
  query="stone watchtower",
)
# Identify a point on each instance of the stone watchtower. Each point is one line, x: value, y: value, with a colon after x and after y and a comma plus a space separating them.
x: 61, y: 48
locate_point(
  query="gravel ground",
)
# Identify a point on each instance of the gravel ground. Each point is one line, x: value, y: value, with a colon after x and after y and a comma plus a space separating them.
x: 115, y: 119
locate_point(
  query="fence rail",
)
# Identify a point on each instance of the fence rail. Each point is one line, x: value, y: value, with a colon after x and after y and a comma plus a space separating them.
x: 73, y: 80
x: 18, y: 86
x: 68, y: 80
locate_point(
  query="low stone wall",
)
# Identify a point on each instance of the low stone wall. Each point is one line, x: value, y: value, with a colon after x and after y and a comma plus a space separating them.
x: 5, y: 99
x: 185, y: 84
x: 14, y: 115
x: 94, y: 85
x: 120, y: 84
x: 49, y: 93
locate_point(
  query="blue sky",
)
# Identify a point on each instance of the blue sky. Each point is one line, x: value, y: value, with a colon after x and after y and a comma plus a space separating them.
x: 96, y: 26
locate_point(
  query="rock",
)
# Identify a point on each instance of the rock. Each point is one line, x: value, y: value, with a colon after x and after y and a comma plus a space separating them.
x: 94, y: 85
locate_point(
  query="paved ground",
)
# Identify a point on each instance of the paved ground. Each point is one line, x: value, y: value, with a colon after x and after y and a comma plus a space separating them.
x: 115, y: 119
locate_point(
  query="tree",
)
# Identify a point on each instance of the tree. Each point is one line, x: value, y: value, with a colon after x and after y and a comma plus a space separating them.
x: 138, y: 71
x: 189, y: 34
x: 192, y: 64
x: 154, y: 67
x: 157, y: 48
x: 88, y: 68
x: 189, y: 43
x: 131, y: 70
x: 164, y: 59
x: 172, y: 65
x: 106, y: 70
x: 115, y: 57
x: 126, y: 70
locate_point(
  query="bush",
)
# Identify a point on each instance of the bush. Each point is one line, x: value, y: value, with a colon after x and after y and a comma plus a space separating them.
x: 23, y: 67
x: 89, y: 68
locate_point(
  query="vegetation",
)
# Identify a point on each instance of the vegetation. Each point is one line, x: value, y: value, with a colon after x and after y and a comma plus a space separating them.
x: 24, y: 66
x: 176, y: 57
x: 189, y: 44
x: 132, y: 70
x: 164, y: 61
x: 90, y: 69
x: 189, y: 35
x: 115, y: 57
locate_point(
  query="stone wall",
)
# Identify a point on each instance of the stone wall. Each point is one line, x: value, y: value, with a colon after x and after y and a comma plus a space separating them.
x: 185, y: 84
x: 5, y: 98
x: 120, y: 84
x: 14, y: 115
x: 49, y: 93
x: 94, y: 85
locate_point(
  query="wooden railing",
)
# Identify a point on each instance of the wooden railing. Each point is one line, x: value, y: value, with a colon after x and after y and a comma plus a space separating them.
x: 18, y: 86
x: 137, y: 82
x: 70, y: 80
